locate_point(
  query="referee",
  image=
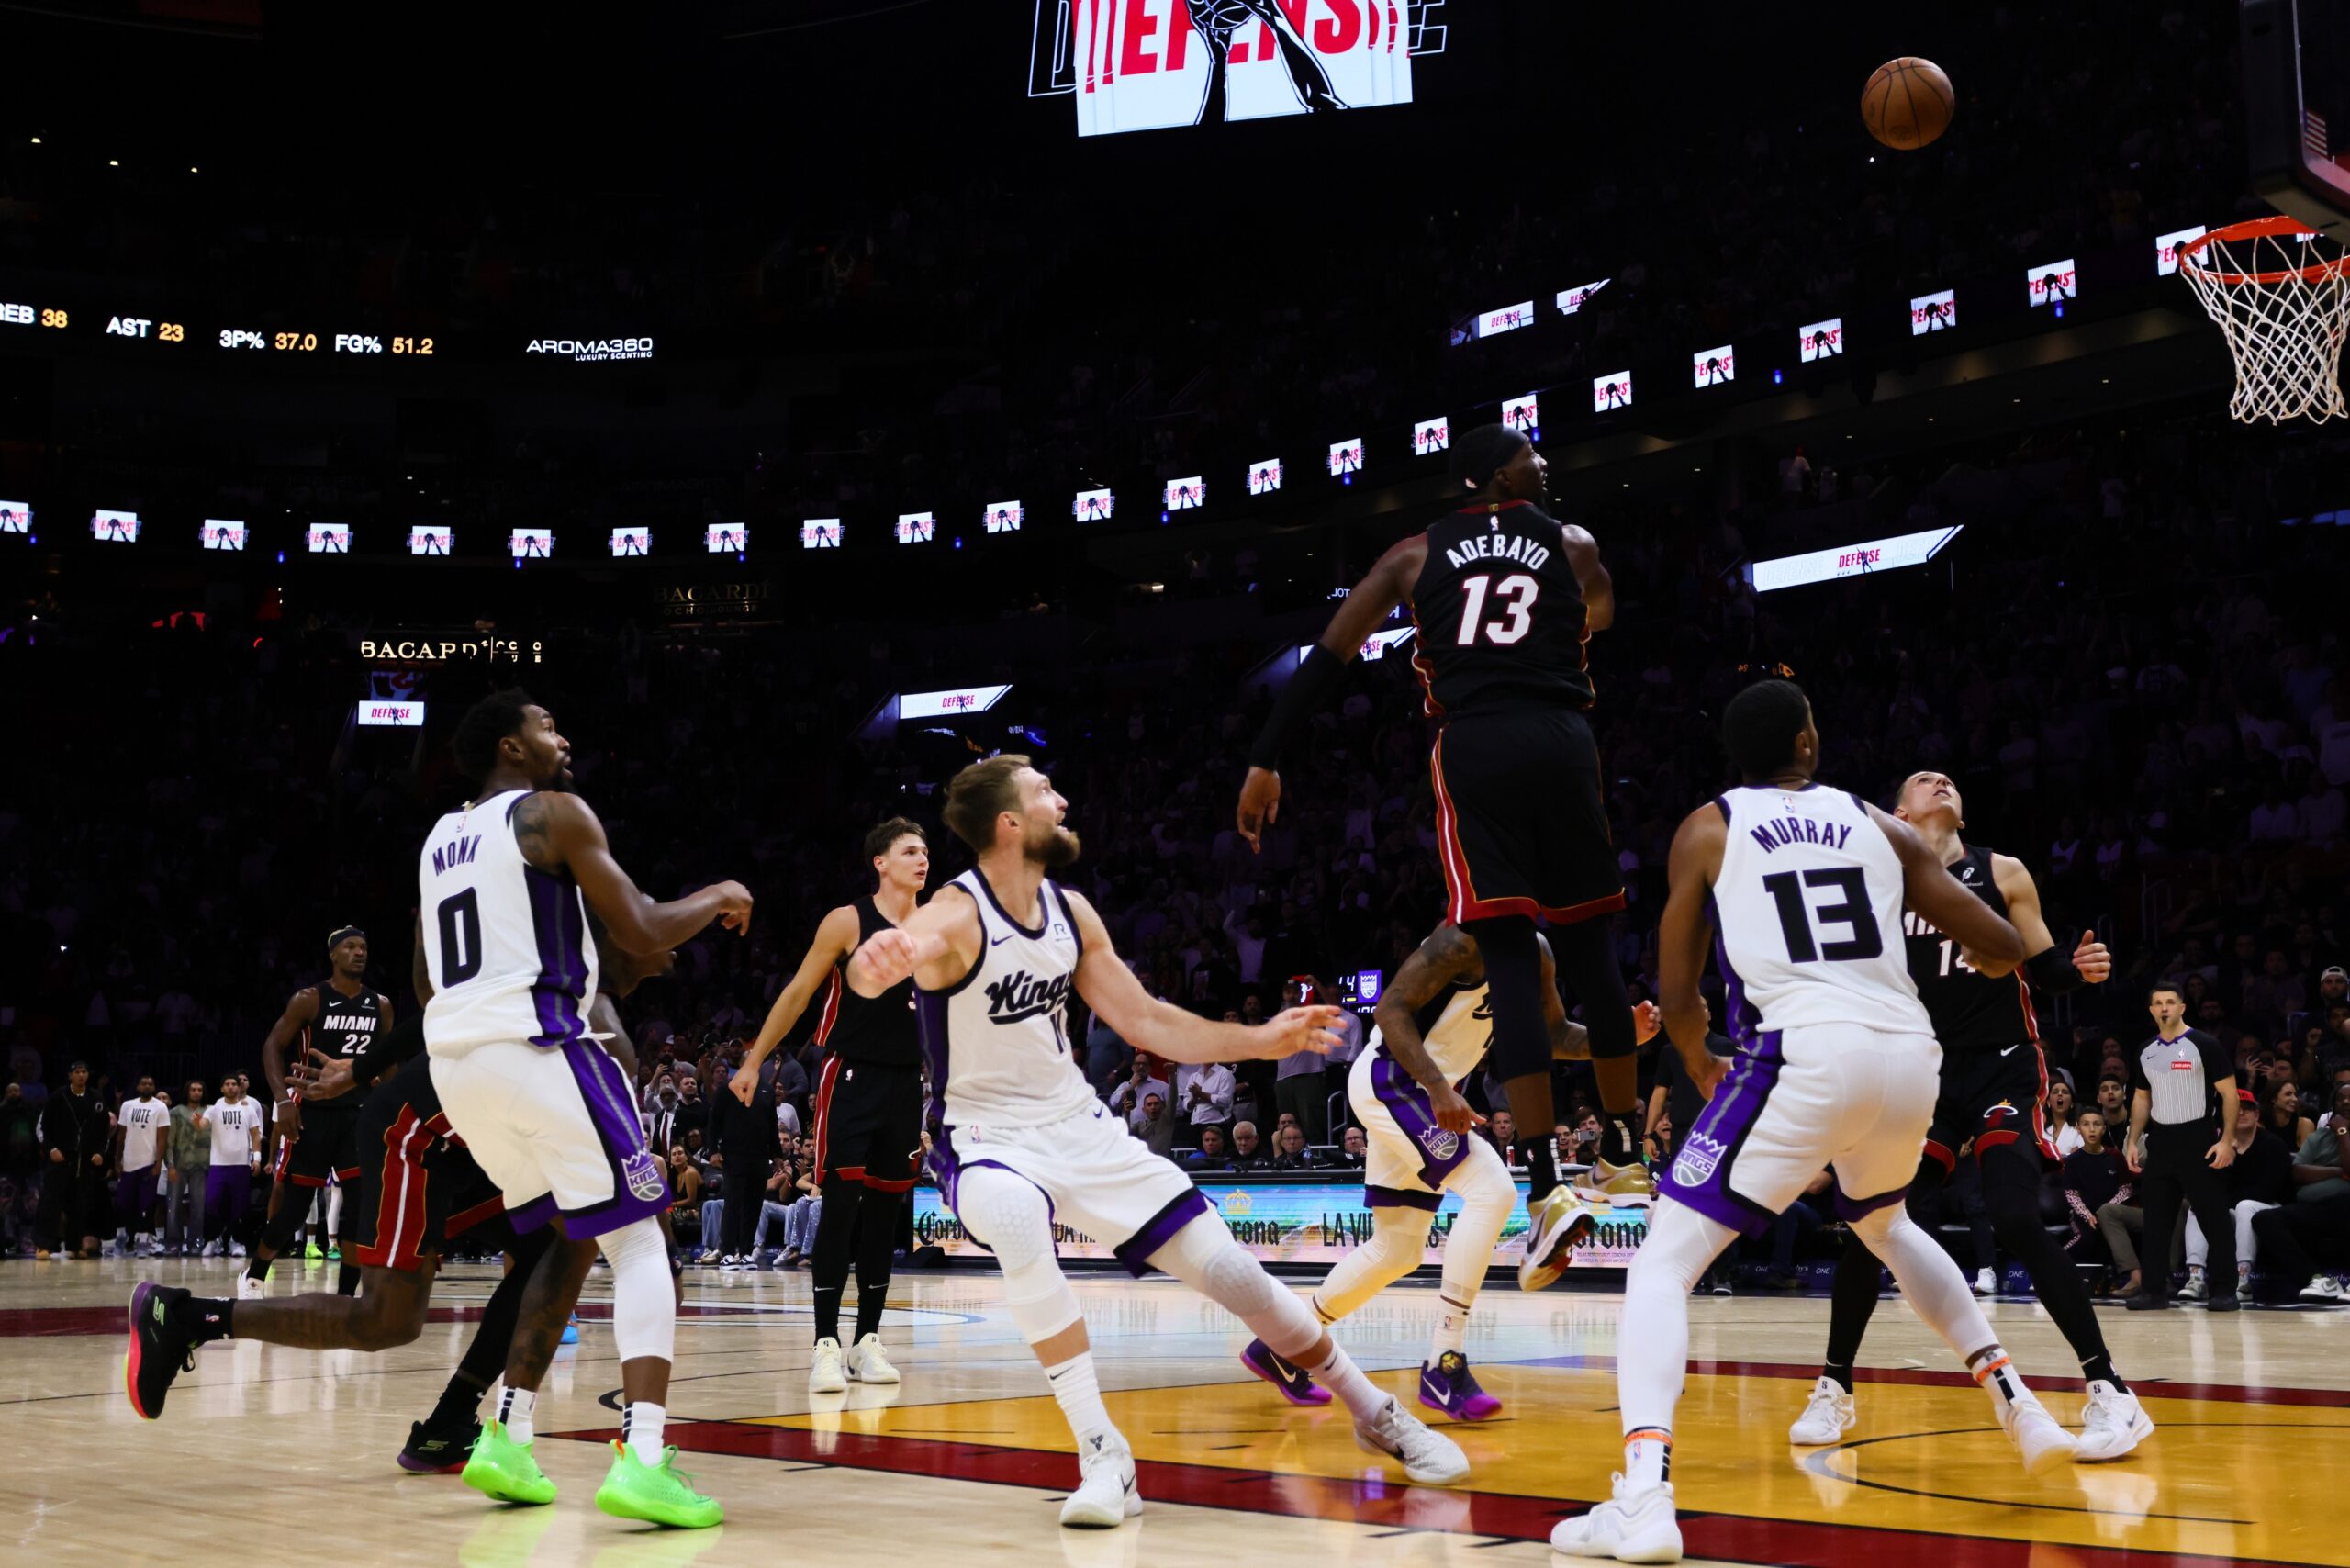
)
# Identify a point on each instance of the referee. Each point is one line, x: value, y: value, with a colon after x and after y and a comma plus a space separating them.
x: 2181, y: 1079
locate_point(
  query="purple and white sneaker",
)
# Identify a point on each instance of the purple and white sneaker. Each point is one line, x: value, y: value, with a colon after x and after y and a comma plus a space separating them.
x: 1448, y: 1386
x: 1295, y: 1385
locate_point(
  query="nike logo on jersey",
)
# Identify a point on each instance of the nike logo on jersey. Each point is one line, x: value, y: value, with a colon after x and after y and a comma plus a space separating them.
x: 2011, y: 1050
x: 1001, y: 940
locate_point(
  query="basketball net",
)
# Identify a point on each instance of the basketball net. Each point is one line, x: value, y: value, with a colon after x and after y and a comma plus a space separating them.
x: 2283, y: 307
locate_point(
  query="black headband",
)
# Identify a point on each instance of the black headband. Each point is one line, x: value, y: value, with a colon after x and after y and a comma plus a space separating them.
x: 343, y: 933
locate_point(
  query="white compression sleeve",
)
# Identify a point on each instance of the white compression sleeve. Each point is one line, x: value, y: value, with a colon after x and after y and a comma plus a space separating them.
x: 1010, y: 1214
x: 1651, y: 1365
x: 1399, y: 1239
x: 644, y: 1306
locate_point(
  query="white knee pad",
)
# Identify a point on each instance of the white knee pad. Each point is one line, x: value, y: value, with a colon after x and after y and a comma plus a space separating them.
x: 1011, y: 1216
x: 644, y: 1303
x: 1204, y: 1257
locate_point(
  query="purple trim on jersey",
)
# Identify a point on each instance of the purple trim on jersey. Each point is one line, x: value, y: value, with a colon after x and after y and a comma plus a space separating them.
x: 1159, y: 1229
x: 533, y: 1215
x: 1398, y: 1198
x: 1743, y: 1019
x: 1441, y: 1151
x: 639, y: 1186
x: 1700, y: 1173
x: 560, y: 991
x: 1850, y: 1208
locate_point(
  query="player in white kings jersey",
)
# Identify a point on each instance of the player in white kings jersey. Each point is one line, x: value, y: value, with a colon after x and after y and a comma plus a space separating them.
x: 1023, y: 1140
x: 504, y: 886
x: 1434, y: 1025
x: 1836, y: 1066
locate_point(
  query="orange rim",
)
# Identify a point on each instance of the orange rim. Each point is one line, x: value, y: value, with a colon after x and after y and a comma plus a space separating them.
x: 2259, y: 228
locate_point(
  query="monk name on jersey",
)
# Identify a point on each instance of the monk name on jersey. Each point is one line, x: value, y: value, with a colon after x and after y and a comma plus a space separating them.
x: 1780, y: 832
x: 1498, y: 548
x: 1020, y: 995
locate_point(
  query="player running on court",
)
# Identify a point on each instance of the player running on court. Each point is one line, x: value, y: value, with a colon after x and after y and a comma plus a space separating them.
x: 1836, y: 1066
x: 1025, y: 1141
x: 1994, y: 1085
x: 1504, y: 599
x: 1433, y: 1024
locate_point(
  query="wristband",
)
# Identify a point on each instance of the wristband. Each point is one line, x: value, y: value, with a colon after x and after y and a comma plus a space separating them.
x: 1302, y: 696
x: 2051, y: 970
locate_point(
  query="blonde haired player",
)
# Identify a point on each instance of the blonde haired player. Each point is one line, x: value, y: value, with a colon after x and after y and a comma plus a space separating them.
x: 1435, y: 1023
x: 1024, y: 1141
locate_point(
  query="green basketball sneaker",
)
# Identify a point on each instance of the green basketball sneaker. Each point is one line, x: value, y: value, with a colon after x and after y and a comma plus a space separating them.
x: 502, y: 1468
x: 635, y: 1490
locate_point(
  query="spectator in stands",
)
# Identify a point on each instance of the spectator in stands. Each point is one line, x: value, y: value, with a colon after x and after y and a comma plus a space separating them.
x: 1351, y: 1150
x: 188, y: 1160
x: 1212, y: 1154
x: 685, y: 1198
x: 2093, y: 1177
x: 2061, y: 1130
x: 1674, y: 1101
x: 1248, y: 1156
x: 1292, y: 1154
x: 2260, y: 1178
x: 2280, y: 1111
x: 1151, y: 1123
x: 76, y: 1135
x: 1108, y: 1058
x: 2300, y: 1237
x: 1204, y: 1091
x: 1141, y: 1080
x: 2113, y: 1101
x: 1298, y: 1090
x: 1501, y: 1130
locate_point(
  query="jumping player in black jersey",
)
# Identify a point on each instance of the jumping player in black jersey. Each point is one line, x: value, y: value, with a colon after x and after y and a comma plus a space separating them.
x: 335, y: 1019
x: 868, y: 1106
x: 1994, y: 1085
x: 1504, y: 599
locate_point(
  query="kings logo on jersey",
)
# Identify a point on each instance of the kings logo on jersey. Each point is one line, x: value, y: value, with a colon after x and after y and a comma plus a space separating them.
x: 1441, y: 1143
x: 1697, y: 1159
x: 642, y: 1171
x: 1020, y: 995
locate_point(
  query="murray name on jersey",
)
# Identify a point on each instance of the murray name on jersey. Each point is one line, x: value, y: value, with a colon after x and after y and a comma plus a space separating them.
x: 1778, y: 832
x: 1497, y: 547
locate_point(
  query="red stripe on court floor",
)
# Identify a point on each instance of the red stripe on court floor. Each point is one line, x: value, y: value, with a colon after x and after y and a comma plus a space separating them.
x: 1920, y: 1377
x: 48, y: 1322
x: 1388, y: 1504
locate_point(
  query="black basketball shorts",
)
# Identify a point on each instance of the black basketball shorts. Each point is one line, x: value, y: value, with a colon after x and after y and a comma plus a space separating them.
x: 1994, y: 1097
x: 328, y: 1147
x: 419, y: 1189
x: 1521, y: 825
x: 869, y: 1124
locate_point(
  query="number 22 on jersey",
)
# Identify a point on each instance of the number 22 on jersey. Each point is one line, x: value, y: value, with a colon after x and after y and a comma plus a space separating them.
x: 1514, y: 596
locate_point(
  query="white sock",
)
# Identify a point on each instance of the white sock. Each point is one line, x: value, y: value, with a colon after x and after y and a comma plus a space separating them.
x: 1079, y: 1392
x: 1647, y: 1457
x: 514, y: 1413
x: 1451, y: 1326
x: 1936, y: 1291
x: 1345, y: 1379
x: 1991, y: 1367
x: 641, y: 1429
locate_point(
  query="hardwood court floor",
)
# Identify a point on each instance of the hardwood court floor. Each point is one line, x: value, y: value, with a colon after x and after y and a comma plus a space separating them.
x: 275, y: 1451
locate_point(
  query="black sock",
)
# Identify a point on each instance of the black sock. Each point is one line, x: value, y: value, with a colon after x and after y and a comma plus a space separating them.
x: 876, y: 1238
x: 347, y: 1279
x: 1540, y: 1153
x: 828, y: 1260
x: 2099, y: 1369
x: 1852, y: 1303
x: 484, y: 1356
x: 208, y: 1318
x: 1617, y: 1144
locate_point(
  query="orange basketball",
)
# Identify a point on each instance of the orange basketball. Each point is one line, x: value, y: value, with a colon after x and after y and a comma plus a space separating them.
x: 1907, y: 103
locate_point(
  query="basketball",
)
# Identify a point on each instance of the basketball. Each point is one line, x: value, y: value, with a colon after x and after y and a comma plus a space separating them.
x: 1907, y: 103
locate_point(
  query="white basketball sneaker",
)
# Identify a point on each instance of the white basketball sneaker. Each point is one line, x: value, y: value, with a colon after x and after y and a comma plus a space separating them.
x: 868, y: 1364
x: 251, y: 1289
x: 1106, y: 1495
x: 2113, y: 1423
x: 1428, y: 1457
x: 827, y: 1372
x: 2044, y: 1445
x: 1827, y: 1418
x: 1631, y: 1527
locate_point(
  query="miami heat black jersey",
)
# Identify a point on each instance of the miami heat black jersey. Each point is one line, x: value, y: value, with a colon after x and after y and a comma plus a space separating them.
x: 883, y: 1030
x: 345, y: 1027
x: 1970, y: 1010
x: 1500, y: 616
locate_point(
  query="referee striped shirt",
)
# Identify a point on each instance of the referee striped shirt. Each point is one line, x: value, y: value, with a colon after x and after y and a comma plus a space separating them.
x: 2181, y: 1079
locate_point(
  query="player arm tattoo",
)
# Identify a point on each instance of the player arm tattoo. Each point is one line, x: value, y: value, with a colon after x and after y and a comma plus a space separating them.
x: 300, y: 1009
x: 1599, y: 588
x: 1990, y: 944
x: 1684, y: 934
x: 1448, y: 954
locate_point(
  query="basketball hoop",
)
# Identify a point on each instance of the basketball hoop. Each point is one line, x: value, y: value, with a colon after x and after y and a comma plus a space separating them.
x: 2283, y: 308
